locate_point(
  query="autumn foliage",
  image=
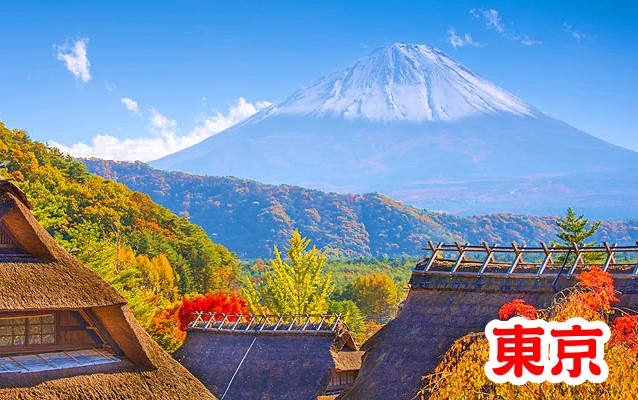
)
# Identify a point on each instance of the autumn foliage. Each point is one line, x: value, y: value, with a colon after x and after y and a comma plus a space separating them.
x: 168, y: 325
x: 461, y: 375
x: 599, y: 290
x: 517, y: 307
x: 165, y: 329
x: 626, y: 331
x: 216, y: 303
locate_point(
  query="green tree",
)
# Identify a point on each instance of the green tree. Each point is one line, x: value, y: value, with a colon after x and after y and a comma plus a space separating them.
x: 376, y: 296
x: 297, y: 285
x: 573, y: 229
x: 350, y: 315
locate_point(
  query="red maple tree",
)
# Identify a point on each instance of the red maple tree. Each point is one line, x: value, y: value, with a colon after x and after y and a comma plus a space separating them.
x: 517, y: 307
x: 625, y: 330
x: 217, y: 303
x: 600, y: 291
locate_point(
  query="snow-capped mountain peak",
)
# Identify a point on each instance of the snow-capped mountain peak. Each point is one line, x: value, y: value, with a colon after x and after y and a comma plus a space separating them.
x: 403, y: 82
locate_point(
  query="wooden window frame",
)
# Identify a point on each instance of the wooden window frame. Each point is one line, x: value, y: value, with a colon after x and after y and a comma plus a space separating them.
x: 30, y: 347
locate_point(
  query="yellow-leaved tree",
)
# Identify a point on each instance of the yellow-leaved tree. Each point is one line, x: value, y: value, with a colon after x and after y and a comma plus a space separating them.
x: 296, y: 285
x: 376, y: 295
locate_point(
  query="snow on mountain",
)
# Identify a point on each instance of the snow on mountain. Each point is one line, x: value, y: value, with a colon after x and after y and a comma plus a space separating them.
x: 410, y: 122
x: 403, y: 82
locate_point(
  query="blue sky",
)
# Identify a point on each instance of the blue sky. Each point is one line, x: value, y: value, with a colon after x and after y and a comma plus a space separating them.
x: 140, y: 79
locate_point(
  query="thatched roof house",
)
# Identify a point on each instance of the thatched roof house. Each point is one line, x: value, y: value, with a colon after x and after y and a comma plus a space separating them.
x: 458, y: 289
x: 64, y: 331
x: 270, y: 356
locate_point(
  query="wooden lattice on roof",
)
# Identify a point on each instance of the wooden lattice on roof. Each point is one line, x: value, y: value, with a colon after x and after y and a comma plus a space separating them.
x: 6, y: 238
x: 267, y: 323
x: 544, y: 260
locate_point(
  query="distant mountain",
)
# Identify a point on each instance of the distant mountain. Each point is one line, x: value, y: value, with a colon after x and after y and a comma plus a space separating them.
x: 249, y: 217
x: 410, y: 122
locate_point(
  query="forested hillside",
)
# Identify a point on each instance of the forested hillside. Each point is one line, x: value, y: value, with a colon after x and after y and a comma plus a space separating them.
x: 249, y: 217
x: 148, y: 253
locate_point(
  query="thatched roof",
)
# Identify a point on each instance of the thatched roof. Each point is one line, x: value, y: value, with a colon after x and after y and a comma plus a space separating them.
x: 8, y: 187
x: 38, y: 274
x: 46, y: 277
x: 258, y: 364
x: 347, y: 360
x: 162, y: 378
x: 394, y: 361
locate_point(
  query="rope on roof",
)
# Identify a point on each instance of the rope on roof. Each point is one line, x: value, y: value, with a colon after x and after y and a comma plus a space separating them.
x: 238, y: 366
x: 267, y: 323
x: 545, y: 260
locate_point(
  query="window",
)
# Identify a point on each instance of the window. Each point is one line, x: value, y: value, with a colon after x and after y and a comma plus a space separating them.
x: 27, y: 331
x: 343, y: 378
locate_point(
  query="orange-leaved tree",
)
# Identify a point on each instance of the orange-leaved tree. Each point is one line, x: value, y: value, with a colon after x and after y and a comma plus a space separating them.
x: 168, y: 325
x: 460, y: 375
x: 517, y: 307
x: 216, y: 303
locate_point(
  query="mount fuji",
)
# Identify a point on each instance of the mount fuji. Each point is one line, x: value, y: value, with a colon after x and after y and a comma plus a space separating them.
x: 410, y: 122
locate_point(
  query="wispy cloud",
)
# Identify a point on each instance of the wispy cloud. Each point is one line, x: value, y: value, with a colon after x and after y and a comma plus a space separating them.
x: 130, y: 105
x: 578, y: 35
x: 491, y: 17
x: 164, y: 137
x: 526, y: 40
x: 493, y: 21
x: 108, y: 86
x: 460, y: 41
x: 75, y: 58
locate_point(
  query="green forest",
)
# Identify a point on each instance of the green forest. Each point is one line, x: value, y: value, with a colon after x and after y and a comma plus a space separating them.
x: 250, y: 217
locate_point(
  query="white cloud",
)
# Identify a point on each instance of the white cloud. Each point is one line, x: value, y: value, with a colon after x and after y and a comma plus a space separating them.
x: 130, y: 105
x: 460, y: 41
x: 578, y: 35
x: 219, y: 121
x: 524, y: 39
x: 164, y: 138
x: 492, y: 19
x: 161, y: 124
x: 75, y: 59
x: 108, y: 86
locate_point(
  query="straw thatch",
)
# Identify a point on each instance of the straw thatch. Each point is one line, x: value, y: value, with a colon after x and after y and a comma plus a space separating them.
x: 347, y: 360
x: 281, y: 365
x: 431, y: 319
x: 30, y: 283
x: 40, y: 275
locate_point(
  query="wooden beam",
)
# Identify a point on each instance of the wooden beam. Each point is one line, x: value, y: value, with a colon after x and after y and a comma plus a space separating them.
x: 459, y: 260
x: 610, y: 256
x: 487, y: 259
x: 91, y: 326
x: 435, y: 253
x: 321, y: 323
x: 517, y: 259
x: 578, y: 258
x: 546, y: 260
